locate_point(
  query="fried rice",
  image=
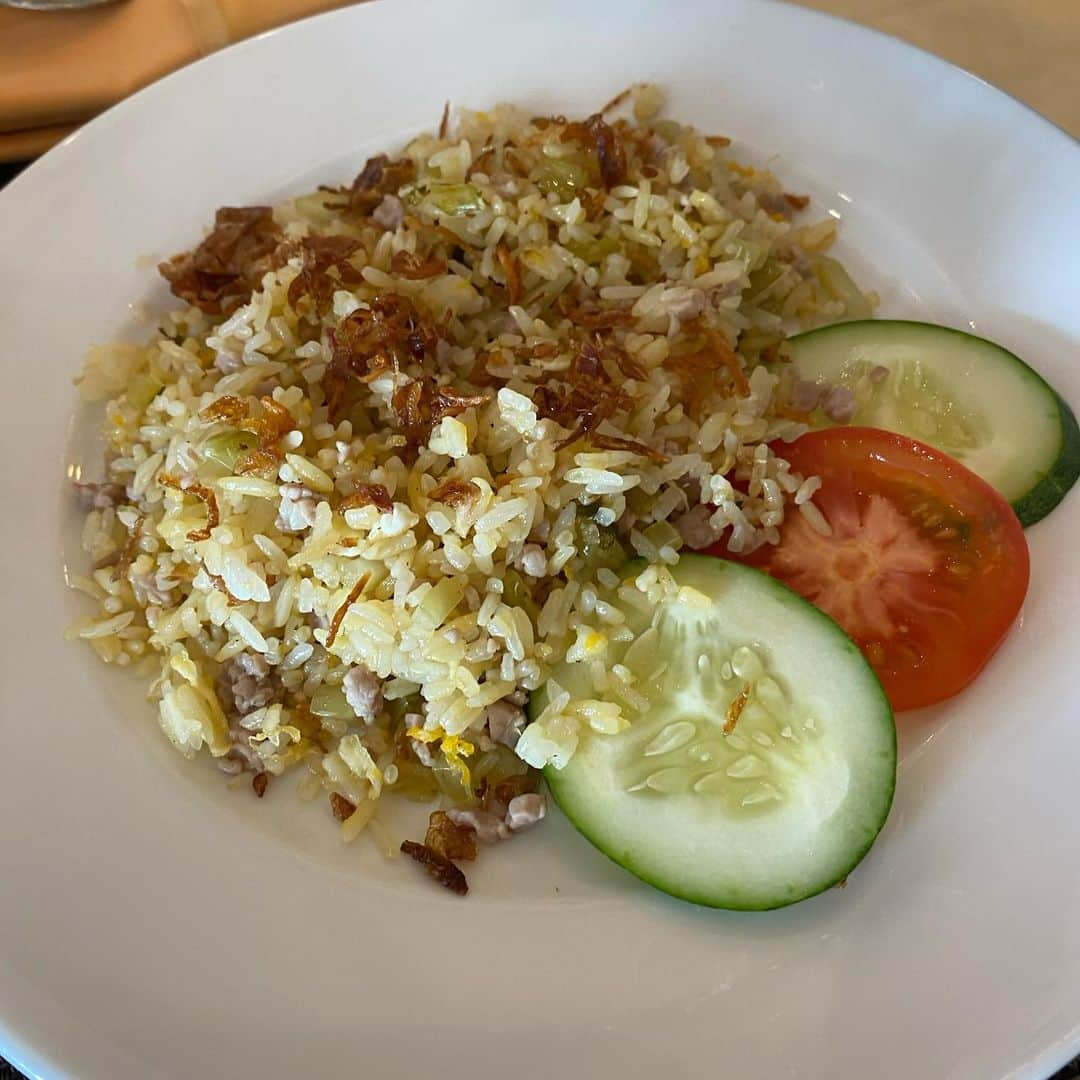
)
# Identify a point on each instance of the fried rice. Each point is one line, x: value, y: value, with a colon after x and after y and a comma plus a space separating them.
x: 374, y: 477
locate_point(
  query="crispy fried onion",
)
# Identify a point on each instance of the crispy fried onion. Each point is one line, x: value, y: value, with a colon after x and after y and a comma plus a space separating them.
x: 482, y: 161
x: 478, y: 373
x: 454, y: 493
x: 592, y: 203
x: 620, y: 442
x: 594, y: 133
x: 716, y: 356
x: 539, y: 350
x: 601, y: 358
x: 258, y: 462
x: 339, y: 615
x: 511, y: 271
x: 588, y: 315
x: 420, y: 404
x: 367, y: 495
x: 438, y: 866
x: 619, y: 99
x: 544, y: 122
x: 219, y: 583
x: 324, y: 268
x: 227, y: 409
x: 385, y: 336
x: 380, y: 176
x: 601, y: 138
x: 340, y: 807
x: 448, y: 839
x: 409, y: 265
x: 131, y: 546
x: 433, y: 233
x: 200, y: 491
x: 584, y: 397
x: 275, y: 422
x: 615, y: 356
x: 517, y: 163
x: 219, y: 275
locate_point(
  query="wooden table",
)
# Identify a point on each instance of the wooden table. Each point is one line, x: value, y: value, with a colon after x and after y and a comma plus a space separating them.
x: 1029, y: 48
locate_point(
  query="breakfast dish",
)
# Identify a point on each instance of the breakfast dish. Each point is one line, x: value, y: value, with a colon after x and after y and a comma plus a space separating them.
x: 403, y: 502
x: 136, y: 869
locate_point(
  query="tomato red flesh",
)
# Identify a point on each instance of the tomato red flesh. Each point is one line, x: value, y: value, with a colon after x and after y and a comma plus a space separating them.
x: 924, y: 564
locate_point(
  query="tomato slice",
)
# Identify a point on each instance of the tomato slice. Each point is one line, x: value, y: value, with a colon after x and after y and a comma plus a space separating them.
x: 926, y: 566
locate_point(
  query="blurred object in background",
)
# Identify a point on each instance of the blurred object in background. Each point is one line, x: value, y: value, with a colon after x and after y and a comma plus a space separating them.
x: 59, y: 68
x: 55, y: 5
x: 1028, y: 48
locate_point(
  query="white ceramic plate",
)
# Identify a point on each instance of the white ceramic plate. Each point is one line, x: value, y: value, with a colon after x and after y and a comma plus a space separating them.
x: 156, y: 924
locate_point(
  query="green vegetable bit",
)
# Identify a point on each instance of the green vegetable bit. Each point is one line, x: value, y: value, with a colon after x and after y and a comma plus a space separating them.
x: 518, y: 593
x: 329, y: 701
x: 770, y: 272
x: 228, y: 447
x: 598, y: 545
x: 142, y: 390
x: 448, y: 198
x: 563, y: 176
x: 595, y: 251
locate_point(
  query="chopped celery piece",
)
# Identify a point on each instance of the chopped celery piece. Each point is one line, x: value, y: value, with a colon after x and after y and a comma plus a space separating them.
x: 563, y: 176
x: 329, y: 701
x: 595, y: 251
x: 228, y: 447
x: 447, y: 197
x: 142, y: 390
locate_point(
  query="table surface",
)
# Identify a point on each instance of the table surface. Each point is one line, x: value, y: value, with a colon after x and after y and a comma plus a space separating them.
x: 1030, y: 48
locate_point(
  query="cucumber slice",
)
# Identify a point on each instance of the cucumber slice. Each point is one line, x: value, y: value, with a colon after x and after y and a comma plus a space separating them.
x: 781, y: 807
x: 962, y: 394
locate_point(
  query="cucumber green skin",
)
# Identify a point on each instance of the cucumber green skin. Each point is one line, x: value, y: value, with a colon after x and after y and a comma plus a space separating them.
x: 730, y: 903
x: 1061, y: 474
x: 1065, y: 471
x: 556, y: 778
